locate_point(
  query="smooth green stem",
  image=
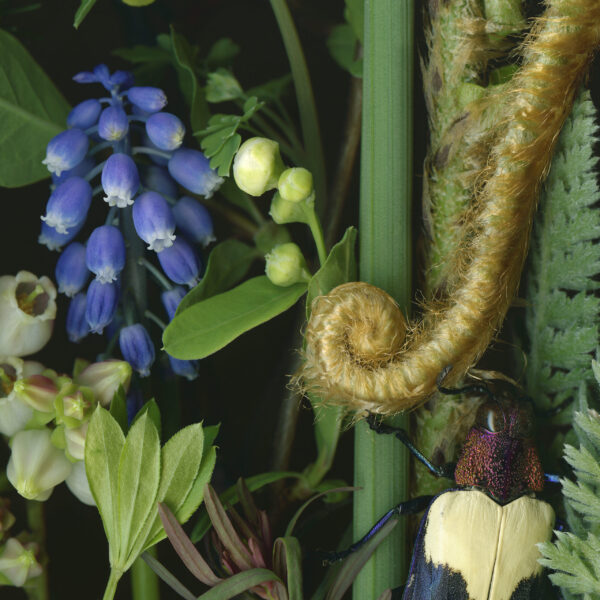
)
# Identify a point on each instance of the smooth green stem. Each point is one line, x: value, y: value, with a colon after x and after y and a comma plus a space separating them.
x: 160, y: 278
x: 111, y: 586
x: 306, y: 101
x: 317, y: 232
x: 155, y: 319
x: 37, y: 589
x: 144, y: 582
x: 151, y: 151
x: 381, y: 463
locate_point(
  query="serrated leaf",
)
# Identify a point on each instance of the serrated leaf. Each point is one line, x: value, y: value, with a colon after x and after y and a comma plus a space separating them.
x: 138, y: 480
x: 212, y: 143
x: 118, y: 408
x: 227, y: 263
x: 222, y: 86
x: 210, y: 325
x: 82, y: 12
x: 222, y: 53
x: 32, y: 111
x: 150, y: 408
x: 342, y: 44
x: 103, y: 445
x: 222, y: 160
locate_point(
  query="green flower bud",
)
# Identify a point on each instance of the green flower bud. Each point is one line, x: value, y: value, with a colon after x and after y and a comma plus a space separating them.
x: 257, y: 166
x: 7, y: 519
x: 295, y: 184
x: 36, y: 465
x: 286, y: 265
x: 104, y: 379
x: 286, y: 211
x: 75, y: 441
x: 38, y: 392
x: 18, y: 562
x: 74, y: 404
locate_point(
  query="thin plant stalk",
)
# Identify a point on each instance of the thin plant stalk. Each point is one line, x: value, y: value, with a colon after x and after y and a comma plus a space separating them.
x: 144, y: 581
x: 381, y: 463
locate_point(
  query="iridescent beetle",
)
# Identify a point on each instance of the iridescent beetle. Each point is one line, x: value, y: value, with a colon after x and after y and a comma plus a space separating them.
x: 477, y: 541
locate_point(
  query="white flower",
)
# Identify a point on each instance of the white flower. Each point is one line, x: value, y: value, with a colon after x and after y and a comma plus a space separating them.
x: 75, y: 440
x: 36, y: 465
x: 27, y: 312
x: 77, y: 482
x: 104, y: 379
x: 18, y: 562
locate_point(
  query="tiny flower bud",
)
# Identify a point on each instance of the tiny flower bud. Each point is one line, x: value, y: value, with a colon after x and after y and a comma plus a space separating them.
x: 74, y: 405
x: 295, y: 184
x: 18, y: 562
x: 66, y: 150
x: 148, y: 99
x: 286, y: 265
x: 14, y: 414
x: 77, y: 326
x: 36, y: 465
x: 191, y: 169
x: 158, y: 180
x: 257, y: 166
x: 7, y: 519
x: 104, y: 379
x: 77, y: 483
x: 165, y: 130
x: 105, y: 253
x: 68, y: 205
x: 285, y: 211
x: 120, y: 180
x: 71, y: 271
x: 101, y: 305
x: 37, y: 391
x: 184, y: 368
x: 85, y: 114
x: 180, y: 263
x: 113, y: 124
x: 171, y: 299
x: 75, y: 440
x: 53, y: 240
x: 27, y: 312
x: 137, y: 348
x: 153, y: 220
x: 194, y: 220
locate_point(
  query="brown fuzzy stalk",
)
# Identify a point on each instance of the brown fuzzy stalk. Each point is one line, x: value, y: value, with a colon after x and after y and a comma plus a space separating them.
x: 347, y: 325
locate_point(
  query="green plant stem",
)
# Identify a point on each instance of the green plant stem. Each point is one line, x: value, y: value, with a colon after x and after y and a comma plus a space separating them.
x: 144, y: 582
x: 37, y: 589
x: 381, y: 463
x: 111, y: 586
x: 306, y: 101
x: 317, y: 232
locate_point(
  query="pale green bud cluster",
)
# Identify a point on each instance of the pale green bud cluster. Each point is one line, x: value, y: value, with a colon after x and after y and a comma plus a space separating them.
x: 286, y: 265
x: 257, y: 166
x: 294, y: 202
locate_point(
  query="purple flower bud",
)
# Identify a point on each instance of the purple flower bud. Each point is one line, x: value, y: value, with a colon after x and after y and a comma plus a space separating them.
x: 194, y: 220
x: 149, y: 99
x: 158, y: 180
x: 101, y: 74
x: 68, y: 205
x: 120, y: 180
x: 165, y: 131
x: 105, y: 253
x: 77, y: 325
x: 101, y: 305
x: 85, y: 114
x: 191, y: 169
x: 180, y: 263
x: 154, y: 221
x: 71, y: 270
x: 113, y: 124
x: 53, y: 240
x: 123, y: 79
x: 171, y: 299
x: 80, y: 170
x: 137, y: 348
x: 66, y: 150
x: 184, y: 368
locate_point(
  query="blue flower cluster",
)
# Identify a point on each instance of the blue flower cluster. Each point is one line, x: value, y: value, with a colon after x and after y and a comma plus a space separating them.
x: 135, y: 148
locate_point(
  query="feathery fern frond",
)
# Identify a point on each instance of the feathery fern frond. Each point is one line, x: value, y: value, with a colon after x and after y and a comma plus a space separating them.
x: 562, y: 313
x: 576, y: 556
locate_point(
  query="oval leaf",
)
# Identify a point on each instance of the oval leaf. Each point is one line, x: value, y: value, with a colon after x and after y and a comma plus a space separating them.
x: 211, y: 324
x: 32, y: 111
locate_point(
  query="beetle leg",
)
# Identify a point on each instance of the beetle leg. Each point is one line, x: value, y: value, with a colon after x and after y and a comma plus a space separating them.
x: 446, y: 470
x: 409, y: 507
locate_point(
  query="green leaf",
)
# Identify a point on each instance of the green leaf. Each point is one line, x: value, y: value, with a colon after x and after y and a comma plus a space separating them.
x: 287, y: 559
x: 228, y: 262
x: 118, y: 408
x: 355, y: 15
x: 82, y: 11
x: 167, y: 577
x: 273, y: 89
x: 181, y: 457
x: 342, y: 44
x: 103, y: 445
x: 222, y: 53
x: 210, y: 434
x: 183, y: 55
x: 222, y: 86
x: 221, y: 161
x: 230, y: 497
x: 236, y: 584
x: 270, y: 235
x: 138, y: 480
x: 208, y: 326
x: 340, y: 267
x: 151, y: 408
x: 32, y: 111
